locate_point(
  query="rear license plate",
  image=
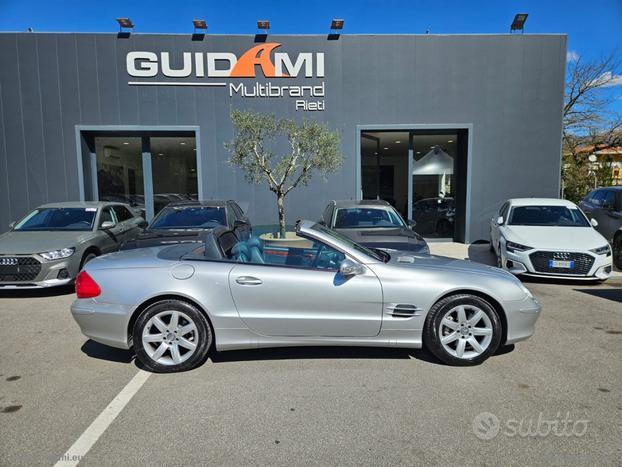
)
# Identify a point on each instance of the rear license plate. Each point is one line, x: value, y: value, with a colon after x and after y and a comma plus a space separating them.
x: 553, y: 263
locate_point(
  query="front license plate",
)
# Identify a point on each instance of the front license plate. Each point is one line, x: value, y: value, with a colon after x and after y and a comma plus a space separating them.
x: 553, y: 263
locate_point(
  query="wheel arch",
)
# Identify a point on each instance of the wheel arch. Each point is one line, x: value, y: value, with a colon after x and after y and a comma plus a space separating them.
x: 490, y: 299
x: 159, y: 298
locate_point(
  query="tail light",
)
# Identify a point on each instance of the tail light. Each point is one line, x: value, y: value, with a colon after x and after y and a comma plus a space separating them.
x: 86, y: 287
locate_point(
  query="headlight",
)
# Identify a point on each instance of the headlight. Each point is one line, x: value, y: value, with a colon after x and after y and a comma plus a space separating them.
x: 603, y: 250
x: 526, y: 290
x: 511, y: 247
x: 58, y: 254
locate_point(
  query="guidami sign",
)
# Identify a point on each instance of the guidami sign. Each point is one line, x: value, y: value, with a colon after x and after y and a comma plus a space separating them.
x: 256, y: 62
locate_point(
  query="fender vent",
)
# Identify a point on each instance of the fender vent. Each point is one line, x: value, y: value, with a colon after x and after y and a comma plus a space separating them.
x: 403, y: 310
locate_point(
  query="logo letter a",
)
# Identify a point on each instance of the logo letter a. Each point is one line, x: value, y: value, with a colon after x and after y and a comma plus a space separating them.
x: 258, y: 55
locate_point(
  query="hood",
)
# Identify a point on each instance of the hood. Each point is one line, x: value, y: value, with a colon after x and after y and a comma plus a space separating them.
x: 391, y: 238
x: 149, y: 238
x: 406, y: 260
x: 24, y: 243
x: 555, y: 238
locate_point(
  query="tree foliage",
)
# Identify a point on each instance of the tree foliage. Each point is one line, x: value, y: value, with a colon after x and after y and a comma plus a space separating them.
x: 589, y: 124
x: 256, y: 148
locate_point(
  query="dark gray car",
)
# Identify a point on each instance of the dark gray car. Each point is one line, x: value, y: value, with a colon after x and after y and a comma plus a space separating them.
x: 50, y: 245
x: 605, y: 205
x: 187, y: 221
x: 374, y: 224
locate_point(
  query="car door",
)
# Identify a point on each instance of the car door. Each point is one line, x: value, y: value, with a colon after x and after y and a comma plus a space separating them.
x: 495, y: 227
x: 609, y: 215
x: 127, y: 223
x: 293, y: 294
x: 109, y: 238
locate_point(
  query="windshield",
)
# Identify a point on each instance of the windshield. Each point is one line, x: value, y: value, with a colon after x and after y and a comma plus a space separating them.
x: 550, y: 216
x: 349, y: 243
x: 367, y: 218
x: 52, y: 219
x: 189, y: 217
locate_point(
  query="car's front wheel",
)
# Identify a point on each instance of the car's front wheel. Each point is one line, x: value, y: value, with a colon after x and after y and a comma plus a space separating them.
x: 170, y: 336
x: 462, y: 330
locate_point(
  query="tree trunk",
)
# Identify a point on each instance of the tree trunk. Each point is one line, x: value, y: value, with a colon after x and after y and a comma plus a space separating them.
x: 280, y: 202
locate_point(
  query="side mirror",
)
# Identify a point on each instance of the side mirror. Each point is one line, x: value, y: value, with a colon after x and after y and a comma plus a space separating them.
x: 143, y: 224
x: 594, y: 222
x: 12, y: 225
x: 107, y: 225
x: 412, y: 224
x: 500, y: 220
x: 350, y: 268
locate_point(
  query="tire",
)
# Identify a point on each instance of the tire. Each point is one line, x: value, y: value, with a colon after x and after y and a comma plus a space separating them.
x: 86, y: 258
x: 491, y: 247
x: 617, y: 251
x: 444, y: 311
x: 164, y: 349
x: 499, y: 258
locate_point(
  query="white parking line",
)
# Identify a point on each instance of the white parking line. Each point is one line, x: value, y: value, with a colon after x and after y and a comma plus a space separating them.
x: 90, y: 436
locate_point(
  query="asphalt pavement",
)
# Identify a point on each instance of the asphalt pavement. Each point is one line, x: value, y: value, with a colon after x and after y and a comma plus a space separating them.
x: 555, y: 399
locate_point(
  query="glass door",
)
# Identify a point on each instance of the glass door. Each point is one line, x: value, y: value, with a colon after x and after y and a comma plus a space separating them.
x: 432, y: 183
x: 119, y: 170
x: 174, y: 170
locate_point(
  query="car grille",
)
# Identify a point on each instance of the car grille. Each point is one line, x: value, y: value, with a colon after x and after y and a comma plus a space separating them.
x: 20, y: 269
x: 582, y: 262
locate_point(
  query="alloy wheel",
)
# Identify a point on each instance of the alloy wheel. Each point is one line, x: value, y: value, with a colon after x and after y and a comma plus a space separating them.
x: 170, y: 337
x: 465, y: 331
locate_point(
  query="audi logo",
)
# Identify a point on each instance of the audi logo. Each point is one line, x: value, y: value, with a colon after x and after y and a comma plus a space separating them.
x: 8, y: 261
x: 562, y: 255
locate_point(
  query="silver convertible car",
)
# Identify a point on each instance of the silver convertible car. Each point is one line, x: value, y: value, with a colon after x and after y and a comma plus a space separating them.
x: 173, y: 304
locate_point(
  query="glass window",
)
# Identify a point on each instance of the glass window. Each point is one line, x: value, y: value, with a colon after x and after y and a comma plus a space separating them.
x: 189, y: 217
x: 52, y: 219
x: 120, y: 170
x: 237, y: 210
x: 350, y: 218
x: 174, y: 166
x: 608, y: 199
x: 551, y: 216
x: 349, y: 243
x: 122, y: 213
x: 107, y: 216
x: 327, y: 215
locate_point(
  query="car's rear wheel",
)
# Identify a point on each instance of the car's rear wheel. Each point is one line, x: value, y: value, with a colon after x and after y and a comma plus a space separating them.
x: 617, y: 251
x: 462, y: 330
x: 170, y: 336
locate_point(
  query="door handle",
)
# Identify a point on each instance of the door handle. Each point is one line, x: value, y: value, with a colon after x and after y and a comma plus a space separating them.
x: 248, y: 280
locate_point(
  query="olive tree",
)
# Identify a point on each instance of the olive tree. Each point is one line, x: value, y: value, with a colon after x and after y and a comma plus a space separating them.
x: 310, y: 147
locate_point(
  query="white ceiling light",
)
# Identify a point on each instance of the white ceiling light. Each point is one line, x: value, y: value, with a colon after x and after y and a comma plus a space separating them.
x: 450, y: 140
x: 125, y: 142
x: 386, y: 148
x: 435, y: 162
x: 182, y: 143
x: 397, y: 142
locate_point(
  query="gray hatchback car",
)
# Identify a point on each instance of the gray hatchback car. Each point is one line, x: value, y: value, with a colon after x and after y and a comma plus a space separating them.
x: 50, y: 245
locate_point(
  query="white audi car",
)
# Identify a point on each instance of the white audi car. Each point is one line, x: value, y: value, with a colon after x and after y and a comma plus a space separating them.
x: 548, y: 237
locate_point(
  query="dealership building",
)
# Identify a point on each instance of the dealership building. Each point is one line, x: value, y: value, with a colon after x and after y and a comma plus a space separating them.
x: 444, y: 127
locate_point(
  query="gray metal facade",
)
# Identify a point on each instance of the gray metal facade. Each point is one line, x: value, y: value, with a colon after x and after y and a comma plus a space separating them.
x: 508, y: 89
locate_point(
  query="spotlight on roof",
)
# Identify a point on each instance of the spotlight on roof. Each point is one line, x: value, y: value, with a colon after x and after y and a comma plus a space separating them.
x: 125, y: 23
x: 336, y: 24
x: 263, y: 24
x: 519, y: 22
x: 199, y: 24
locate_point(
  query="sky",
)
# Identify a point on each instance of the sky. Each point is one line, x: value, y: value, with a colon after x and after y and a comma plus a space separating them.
x: 594, y: 28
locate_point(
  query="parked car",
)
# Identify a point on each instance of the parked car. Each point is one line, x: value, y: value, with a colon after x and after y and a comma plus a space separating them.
x: 374, y: 224
x: 435, y: 216
x: 226, y: 294
x: 53, y: 242
x: 548, y: 237
x: 185, y: 221
x: 605, y: 205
